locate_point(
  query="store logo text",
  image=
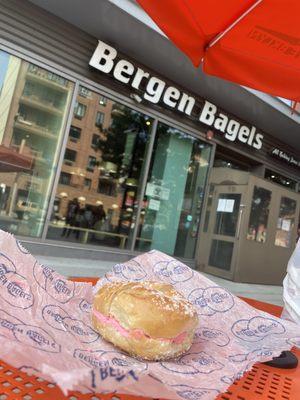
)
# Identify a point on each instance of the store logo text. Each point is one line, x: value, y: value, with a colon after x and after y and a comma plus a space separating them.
x: 155, y: 90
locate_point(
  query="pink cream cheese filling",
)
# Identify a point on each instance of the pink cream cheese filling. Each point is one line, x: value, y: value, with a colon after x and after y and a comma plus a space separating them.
x: 136, y: 333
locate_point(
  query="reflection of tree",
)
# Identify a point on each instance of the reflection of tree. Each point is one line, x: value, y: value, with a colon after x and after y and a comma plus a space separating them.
x: 123, y: 143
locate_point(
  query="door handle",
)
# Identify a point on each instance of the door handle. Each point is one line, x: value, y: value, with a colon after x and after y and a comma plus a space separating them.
x: 241, y: 210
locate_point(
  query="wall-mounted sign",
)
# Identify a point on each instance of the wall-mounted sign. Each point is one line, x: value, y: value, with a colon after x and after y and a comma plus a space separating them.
x: 231, y: 128
x: 157, y: 191
x: 225, y: 205
x: 154, y: 205
x: 288, y: 158
x: 155, y: 90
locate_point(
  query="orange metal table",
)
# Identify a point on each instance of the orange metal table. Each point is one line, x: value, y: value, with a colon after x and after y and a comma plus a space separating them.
x: 261, y: 383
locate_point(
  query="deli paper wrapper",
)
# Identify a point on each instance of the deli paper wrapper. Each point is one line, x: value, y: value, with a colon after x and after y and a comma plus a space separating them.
x: 45, y: 329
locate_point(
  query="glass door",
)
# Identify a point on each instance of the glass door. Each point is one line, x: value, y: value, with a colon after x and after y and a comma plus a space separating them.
x: 224, y: 229
x: 174, y: 193
x: 101, y: 177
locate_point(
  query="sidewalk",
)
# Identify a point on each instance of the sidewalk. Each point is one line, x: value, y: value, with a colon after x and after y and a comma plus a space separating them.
x: 83, y: 267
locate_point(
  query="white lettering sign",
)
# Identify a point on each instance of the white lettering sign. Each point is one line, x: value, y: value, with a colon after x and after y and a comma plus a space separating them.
x: 156, y: 90
x: 232, y: 129
x: 285, y: 157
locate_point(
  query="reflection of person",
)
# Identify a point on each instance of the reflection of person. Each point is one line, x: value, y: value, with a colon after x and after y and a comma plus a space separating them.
x: 72, y: 211
x: 99, y: 214
x: 88, y: 217
x: 79, y: 219
x: 99, y: 222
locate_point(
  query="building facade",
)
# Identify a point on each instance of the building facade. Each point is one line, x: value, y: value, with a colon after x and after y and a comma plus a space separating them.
x: 105, y: 153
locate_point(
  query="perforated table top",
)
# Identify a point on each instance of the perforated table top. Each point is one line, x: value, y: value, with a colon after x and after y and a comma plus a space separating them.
x: 261, y: 383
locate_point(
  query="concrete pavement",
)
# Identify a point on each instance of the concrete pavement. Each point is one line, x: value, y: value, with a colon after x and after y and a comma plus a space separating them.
x: 85, y: 267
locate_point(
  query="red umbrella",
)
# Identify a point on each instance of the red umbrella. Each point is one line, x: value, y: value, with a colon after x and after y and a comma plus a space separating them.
x: 253, y: 43
x: 11, y: 161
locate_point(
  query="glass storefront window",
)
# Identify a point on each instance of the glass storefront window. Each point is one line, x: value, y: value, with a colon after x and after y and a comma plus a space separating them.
x: 174, y: 193
x: 34, y: 104
x: 258, y: 221
x: 97, y: 196
x: 285, y: 222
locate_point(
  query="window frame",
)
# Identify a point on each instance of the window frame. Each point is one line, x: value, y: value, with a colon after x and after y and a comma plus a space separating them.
x: 97, y: 123
x: 74, y: 138
x: 78, y: 106
x: 69, y: 177
x: 88, y: 166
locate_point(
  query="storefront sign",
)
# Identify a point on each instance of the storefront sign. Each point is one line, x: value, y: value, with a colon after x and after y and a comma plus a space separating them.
x: 231, y: 128
x: 288, y: 158
x: 156, y: 91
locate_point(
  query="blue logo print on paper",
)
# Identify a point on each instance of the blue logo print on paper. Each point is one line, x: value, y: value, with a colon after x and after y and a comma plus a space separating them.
x: 6, y: 264
x: 173, y: 271
x: 14, y: 288
x: 253, y: 355
x: 194, y: 363
x: 56, y: 286
x: 85, y: 306
x: 33, y: 336
x: 190, y: 393
x: 256, y: 328
x: 211, y: 300
x: 100, y: 358
x: 90, y: 358
x: 59, y: 319
x: 211, y: 335
x: 131, y: 271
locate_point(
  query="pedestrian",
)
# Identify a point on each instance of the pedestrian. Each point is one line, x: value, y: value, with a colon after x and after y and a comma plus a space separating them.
x: 79, y: 220
x: 88, y: 217
x: 99, y: 215
x: 72, y: 210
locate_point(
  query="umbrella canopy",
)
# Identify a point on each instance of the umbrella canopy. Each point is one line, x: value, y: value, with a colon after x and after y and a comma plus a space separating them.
x: 11, y: 161
x: 255, y: 43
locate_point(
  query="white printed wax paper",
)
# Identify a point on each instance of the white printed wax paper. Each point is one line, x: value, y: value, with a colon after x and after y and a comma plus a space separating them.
x: 45, y: 329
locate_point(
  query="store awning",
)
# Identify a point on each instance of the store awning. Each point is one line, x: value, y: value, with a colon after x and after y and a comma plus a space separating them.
x: 11, y: 161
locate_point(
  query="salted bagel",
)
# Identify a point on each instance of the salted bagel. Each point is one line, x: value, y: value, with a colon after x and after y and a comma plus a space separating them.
x: 149, y: 320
